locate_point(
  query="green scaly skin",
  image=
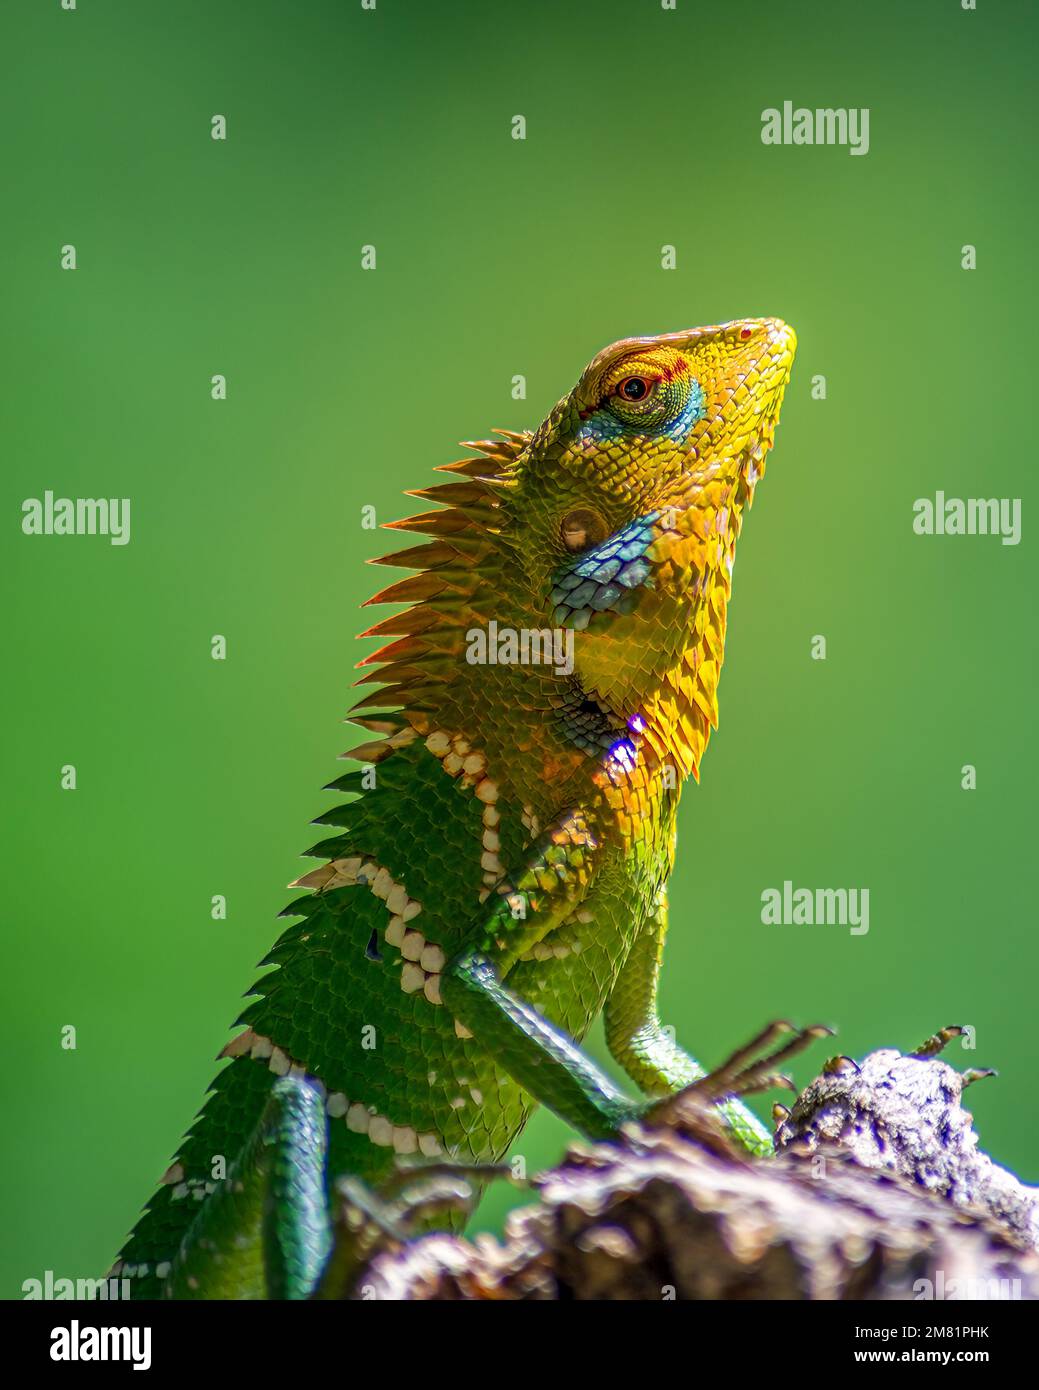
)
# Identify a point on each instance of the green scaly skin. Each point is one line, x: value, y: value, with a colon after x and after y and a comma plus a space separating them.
x: 500, y: 880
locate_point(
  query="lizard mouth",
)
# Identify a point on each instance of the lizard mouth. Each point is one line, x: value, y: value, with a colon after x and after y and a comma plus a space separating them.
x: 739, y: 427
x: 768, y: 365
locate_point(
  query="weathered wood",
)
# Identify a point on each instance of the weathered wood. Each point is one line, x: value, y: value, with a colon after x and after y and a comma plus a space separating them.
x: 878, y: 1190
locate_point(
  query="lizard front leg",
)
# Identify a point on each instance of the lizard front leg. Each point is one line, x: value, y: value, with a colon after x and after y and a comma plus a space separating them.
x: 646, y: 1050
x: 265, y: 1231
x: 540, y: 1056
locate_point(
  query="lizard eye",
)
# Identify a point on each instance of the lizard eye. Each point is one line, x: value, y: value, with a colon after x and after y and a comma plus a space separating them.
x: 635, y: 388
x: 582, y: 528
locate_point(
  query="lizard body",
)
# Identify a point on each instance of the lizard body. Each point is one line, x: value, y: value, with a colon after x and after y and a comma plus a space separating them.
x: 500, y: 880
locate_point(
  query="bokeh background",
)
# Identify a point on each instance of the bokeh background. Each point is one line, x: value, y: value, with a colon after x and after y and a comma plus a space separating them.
x: 495, y: 257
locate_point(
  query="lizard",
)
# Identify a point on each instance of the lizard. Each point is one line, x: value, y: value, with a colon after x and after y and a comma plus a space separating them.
x: 497, y: 879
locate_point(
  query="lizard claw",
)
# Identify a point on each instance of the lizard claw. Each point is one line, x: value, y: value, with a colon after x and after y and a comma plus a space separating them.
x: 701, y: 1110
x: 931, y: 1046
x: 417, y: 1195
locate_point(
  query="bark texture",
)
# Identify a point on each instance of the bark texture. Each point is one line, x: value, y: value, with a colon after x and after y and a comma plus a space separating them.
x: 878, y: 1190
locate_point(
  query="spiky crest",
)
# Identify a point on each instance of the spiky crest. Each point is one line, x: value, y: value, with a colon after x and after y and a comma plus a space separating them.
x: 439, y: 596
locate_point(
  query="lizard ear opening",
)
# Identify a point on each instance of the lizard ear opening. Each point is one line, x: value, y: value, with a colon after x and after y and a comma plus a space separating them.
x: 581, y: 528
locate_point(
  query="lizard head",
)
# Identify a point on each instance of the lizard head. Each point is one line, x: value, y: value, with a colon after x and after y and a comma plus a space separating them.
x: 614, y: 524
x: 626, y: 508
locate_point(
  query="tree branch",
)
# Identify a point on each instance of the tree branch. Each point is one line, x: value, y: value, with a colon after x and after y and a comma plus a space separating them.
x: 878, y: 1190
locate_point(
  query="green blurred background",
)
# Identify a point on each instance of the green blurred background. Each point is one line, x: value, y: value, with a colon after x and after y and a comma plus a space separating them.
x: 495, y: 257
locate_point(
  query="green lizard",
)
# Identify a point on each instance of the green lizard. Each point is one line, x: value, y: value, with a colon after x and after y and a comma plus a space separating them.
x: 500, y: 881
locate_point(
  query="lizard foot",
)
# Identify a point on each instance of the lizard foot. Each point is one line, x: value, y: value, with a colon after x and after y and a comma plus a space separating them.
x: 420, y: 1191
x: 708, y: 1110
x: 417, y: 1195
x: 931, y: 1047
